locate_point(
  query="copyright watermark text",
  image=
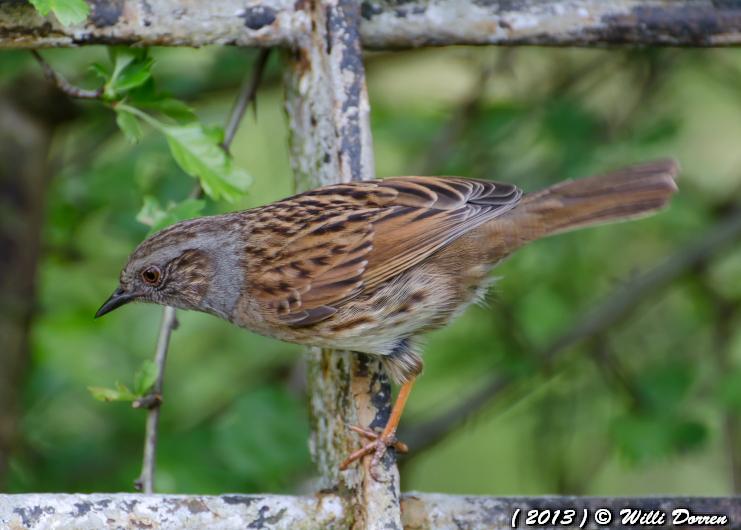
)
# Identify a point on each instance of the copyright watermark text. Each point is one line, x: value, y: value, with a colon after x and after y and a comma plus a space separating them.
x: 615, y: 518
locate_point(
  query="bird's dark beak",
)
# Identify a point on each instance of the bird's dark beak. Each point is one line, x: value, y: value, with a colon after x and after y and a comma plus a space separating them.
x: 117, y: 299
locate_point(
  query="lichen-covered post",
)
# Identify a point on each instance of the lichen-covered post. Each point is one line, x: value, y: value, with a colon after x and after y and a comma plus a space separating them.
x: 327, y: 104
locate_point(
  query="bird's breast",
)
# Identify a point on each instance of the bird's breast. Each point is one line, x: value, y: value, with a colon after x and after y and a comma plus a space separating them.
x: 419, y: 300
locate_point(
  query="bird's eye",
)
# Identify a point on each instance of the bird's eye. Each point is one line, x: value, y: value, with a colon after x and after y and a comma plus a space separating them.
x: 151, y: 275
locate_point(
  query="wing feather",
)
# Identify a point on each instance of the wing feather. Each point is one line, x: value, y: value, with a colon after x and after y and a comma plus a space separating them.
x: 322, y: 248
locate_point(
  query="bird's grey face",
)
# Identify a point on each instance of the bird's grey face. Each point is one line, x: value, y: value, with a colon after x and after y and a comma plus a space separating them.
x: 169, y: 268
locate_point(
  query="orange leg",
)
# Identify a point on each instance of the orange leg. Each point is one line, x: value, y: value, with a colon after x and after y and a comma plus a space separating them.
x: 380, y: 442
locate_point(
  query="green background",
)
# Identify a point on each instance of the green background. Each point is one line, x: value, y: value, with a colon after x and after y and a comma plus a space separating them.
x: 651, y: 406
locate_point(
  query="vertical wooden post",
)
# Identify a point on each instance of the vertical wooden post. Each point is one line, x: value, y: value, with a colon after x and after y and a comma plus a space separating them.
x: 328, y: 113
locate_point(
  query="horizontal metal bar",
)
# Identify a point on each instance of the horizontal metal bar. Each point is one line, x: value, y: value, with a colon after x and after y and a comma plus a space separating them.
x: 386, y: 23
x: 326, y: 512
x: 158, y: 23
x: 391, y: 24
x: 438, y: 511
x: 132, y: 511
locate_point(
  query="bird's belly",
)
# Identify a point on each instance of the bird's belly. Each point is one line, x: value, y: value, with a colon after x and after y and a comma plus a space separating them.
x: 415, y: 302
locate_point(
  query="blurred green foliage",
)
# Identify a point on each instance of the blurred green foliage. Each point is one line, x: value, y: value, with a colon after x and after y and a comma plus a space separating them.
x: 648, y: 407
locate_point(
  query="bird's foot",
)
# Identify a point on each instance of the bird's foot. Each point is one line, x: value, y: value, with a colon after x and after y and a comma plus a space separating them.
x: 378, y: 445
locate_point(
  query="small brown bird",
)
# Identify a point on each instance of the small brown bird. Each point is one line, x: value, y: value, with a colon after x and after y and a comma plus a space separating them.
x: 369, y: 266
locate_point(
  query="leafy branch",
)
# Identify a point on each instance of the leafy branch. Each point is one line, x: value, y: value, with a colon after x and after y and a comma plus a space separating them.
x: 62, y: 84
x: 198, y: 151
x: 129, y: 90
x: 144, y: 379
x: 152, y: 214
x: 201, y: 151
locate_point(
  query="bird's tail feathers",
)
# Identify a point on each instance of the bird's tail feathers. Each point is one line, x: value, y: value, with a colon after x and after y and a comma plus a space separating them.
x: 627, y: 193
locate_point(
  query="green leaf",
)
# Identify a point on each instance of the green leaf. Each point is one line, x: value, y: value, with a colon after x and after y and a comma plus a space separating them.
x: 169, y: 106
x: 67, y: 11
x: 122, y: 56
x: 153, y: 215
x: 131, y: 68
x: 134, y: 75
x: 175, y: 109
x: 198, y: 152
x: 146, y: 96
x: 70, y: 12
x: 124, y: 392
x: 42, y: 6
x: 215, y: 133
x: 101, y: 71
x: 103, y: 394
x: 145, y: 377
x: 129, y: 125
x: 120, y: 393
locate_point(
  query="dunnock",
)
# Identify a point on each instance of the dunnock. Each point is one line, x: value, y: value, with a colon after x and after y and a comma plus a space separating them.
x: 369, y: 266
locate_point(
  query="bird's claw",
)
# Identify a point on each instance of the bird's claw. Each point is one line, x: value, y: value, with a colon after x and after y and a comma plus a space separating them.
x: 400, y: 446
x: 378, y: 445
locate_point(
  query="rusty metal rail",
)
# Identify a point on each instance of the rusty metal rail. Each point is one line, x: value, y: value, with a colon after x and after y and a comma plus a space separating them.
x: 385, y: 24
x: 420, y: 511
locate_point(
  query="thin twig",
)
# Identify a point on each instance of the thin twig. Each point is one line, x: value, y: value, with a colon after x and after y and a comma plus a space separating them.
x: 613, y: 309
x: 247, y: 95
x: 153, y: 400
x: 62, y: 84
x: 145, y: 482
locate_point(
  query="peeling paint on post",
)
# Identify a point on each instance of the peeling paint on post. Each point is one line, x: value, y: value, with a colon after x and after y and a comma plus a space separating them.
x: 392, y: 24
x: 158, y: 22
x: 170, y: 512
x: 327, y: 100
x: 421, y: 511
x: 328, y: 113
x: 385, y: 24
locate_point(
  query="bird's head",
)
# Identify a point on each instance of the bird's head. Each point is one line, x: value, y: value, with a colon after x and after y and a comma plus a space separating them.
x: 190, y: 265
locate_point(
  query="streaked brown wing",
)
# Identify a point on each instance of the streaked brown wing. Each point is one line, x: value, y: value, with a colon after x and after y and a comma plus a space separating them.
x: 429, y: 213
x: 338, y: 240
